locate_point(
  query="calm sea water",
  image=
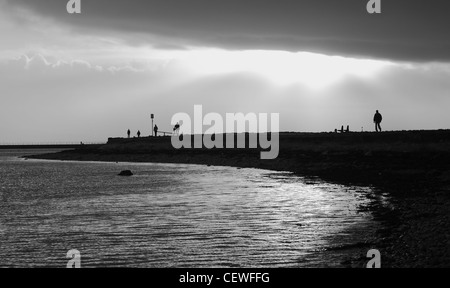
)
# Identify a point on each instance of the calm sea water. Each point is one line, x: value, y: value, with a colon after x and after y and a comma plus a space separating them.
x: 171, y: 215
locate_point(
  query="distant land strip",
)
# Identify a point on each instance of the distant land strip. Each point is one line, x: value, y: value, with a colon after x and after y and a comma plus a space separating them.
x: 45, y: 146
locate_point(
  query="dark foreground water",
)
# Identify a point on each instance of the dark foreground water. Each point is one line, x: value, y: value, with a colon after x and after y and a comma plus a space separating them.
x: 171, y: 216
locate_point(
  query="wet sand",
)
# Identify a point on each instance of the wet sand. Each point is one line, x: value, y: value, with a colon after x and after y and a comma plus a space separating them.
x: 410, y: 168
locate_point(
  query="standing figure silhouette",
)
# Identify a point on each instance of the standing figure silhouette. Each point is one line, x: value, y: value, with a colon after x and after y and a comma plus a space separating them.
x: 128, y: 133
x: 377, y: 120
x: 156, y: 130
x: 139, y: 134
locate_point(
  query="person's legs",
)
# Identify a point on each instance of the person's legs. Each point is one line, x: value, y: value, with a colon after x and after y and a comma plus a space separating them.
x: 379, y: 127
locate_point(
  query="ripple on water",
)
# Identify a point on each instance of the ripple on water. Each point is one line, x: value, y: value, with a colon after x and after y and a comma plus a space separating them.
x: 170, y: 215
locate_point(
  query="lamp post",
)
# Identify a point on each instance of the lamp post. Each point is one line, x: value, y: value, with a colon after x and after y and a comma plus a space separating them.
x: 153, y: 117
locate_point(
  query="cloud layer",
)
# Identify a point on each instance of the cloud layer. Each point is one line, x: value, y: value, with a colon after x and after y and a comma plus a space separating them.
x: 412, y: 30
x: 77, y: 101
x: 91, y: 76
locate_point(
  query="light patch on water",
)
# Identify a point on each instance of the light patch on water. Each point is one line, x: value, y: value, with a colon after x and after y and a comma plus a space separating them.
x: 171, y: 216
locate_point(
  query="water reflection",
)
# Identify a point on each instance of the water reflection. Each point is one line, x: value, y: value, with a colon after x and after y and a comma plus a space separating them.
x: 170, y: 215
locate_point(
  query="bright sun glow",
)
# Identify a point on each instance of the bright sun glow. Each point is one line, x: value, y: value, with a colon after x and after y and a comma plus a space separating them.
x: 316, y: 71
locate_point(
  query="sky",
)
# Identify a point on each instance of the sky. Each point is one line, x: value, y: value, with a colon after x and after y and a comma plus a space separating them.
x: 319, y: 64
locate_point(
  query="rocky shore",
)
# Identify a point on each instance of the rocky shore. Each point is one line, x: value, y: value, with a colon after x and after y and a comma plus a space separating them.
x: 409, y: 168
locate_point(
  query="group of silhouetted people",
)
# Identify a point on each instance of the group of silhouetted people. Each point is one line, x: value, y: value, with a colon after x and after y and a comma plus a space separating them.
x: 342, y: 129
x: 138, y: 133
x: 377, y: 119
x: 155, y: 130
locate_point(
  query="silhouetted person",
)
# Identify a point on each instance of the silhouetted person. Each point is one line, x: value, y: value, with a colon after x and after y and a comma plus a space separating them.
x: 156, y: 130
x: 139, y: 134
x: 128, y: 133
x: 176, y: 129
x: 377, y: 120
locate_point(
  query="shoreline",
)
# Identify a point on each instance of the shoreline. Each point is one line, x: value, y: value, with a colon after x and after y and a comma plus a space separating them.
x: 411, y: 168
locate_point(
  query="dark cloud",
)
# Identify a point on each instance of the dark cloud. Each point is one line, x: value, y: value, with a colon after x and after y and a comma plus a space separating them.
x: 413, y: 30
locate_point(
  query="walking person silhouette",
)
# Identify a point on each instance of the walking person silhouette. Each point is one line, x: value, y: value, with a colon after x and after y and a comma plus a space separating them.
x: 377, y: 120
